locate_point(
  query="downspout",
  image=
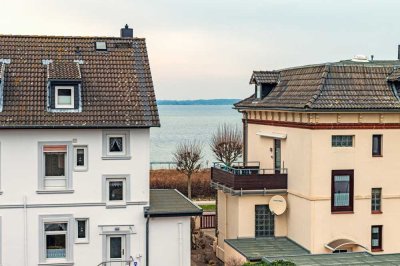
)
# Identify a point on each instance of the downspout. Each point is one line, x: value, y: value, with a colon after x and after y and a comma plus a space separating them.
x: 180, y: 244
x: 25, y: 233
x: 245, y: 129
x: 147, y: 239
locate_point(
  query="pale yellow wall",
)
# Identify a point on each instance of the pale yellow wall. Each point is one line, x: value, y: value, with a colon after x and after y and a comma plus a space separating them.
x: 231, y: 255
x: 309, y: 157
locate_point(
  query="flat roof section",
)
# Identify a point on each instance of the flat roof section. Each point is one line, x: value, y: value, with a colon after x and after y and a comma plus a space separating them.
x: 352, y: 258
x: 254, y: 249
x: 170, y: 203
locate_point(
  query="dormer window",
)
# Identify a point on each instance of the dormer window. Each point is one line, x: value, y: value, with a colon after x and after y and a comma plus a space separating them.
x: 64, y: 87
x: 258, y: 91
x: 64, y: 97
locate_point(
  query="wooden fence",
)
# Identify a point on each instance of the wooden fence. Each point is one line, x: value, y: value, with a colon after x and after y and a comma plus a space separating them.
x: 207, y: 220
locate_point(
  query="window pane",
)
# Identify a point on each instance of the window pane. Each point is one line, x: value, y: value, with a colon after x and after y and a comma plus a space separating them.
x: 115, y: 190
x: 55, y: 246
x: 115, y: 247
x: 376, y: 199
x: 80, y: 157
x: 376, y: 237
x: 342, y: 191
x: 56, y: 227
x: 116, y: 144
x: 376, y: 144
x: 264, y: 221
x: 55, y: 163
x: 342, y: 141
x: 82, y: 229
x: 64, y: 96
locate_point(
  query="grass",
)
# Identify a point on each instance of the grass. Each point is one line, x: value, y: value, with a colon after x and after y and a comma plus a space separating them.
x: 208, y: 207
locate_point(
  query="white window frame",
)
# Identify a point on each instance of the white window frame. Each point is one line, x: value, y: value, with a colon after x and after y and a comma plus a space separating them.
x: 69, y: 234
x: 81, y: 168
x: 64, y: 106
x: 68, y: 168
x: 125, y: 154
x: 82, y: 240
x: 1, y: 241
x: 125, y: 190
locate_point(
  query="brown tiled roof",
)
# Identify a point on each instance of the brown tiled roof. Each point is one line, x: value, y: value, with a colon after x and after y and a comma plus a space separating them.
x: 63, y: 71
x: 395, y: 75
x: 331, y: 86
x: 117, y: 87
x: 264, y: 77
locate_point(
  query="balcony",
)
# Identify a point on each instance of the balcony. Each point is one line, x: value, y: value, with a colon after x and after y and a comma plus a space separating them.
x: 249, y: 176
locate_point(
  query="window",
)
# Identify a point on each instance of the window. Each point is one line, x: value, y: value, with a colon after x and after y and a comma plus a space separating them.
x: 54, y: 167
x: 377, y: 145
x: 258, y: 91
x: 116, y: 144
x: 376, y: 200
x: 55, y: 244
x: 82, y: 230
x: 80, y: 158
x: 342, y: 191
x: 376, y: 238
x: 116, y: 191
x: 265, y: 223
x: 342, y: 141
x: 101, y: 46
x: 64, y: 97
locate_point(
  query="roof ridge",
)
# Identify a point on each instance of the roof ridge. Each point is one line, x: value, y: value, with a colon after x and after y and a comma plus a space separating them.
x: 323, y: 79
x: 70, y: 37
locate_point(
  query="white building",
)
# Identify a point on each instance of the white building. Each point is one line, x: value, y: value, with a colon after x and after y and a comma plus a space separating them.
x: 75, y: 121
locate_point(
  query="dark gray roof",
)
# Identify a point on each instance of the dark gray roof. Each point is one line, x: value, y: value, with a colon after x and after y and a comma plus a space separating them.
x: 170, y: 202
x: 344, y: 85
x: 356, y: 258
x: 264, y: 77
x: 254, y: 249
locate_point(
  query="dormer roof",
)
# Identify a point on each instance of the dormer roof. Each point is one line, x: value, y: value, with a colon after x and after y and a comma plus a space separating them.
x: 63, y: 71
x: 116, y: 84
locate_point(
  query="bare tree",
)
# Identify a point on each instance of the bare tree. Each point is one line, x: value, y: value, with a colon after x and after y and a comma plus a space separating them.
x: 226, y: 143
x: 188, y: 157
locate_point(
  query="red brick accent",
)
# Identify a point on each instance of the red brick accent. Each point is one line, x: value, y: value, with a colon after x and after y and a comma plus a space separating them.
x: 325, y: 125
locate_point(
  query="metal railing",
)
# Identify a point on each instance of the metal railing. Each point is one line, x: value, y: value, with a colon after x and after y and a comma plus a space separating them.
x: 129, y: 262
x: 162, y: 165
x: 249, y: 168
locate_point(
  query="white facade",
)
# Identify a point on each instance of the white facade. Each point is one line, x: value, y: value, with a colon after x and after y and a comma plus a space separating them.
x: 174, y: 230
x: 26, y: 204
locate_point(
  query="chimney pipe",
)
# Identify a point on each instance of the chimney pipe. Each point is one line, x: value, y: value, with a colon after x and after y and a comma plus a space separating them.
x: 126, y: 32
x: 398, y: 52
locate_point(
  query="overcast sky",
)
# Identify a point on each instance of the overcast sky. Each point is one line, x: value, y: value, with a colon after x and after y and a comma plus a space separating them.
x: 209, y: 48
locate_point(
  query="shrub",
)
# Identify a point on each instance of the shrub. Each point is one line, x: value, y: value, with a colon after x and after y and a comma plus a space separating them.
x: 172, y: 179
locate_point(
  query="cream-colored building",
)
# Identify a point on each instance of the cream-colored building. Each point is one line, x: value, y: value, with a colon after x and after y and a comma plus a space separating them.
x: 327, y: 139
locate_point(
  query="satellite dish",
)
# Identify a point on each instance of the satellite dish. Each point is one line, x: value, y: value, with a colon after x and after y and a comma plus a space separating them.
x: 360, y: 58
x: 277, y: 205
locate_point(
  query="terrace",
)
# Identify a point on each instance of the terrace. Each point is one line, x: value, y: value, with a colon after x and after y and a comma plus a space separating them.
x: 241, y: 177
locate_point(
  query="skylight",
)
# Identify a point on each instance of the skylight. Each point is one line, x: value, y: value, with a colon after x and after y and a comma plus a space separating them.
x: 101, y: 46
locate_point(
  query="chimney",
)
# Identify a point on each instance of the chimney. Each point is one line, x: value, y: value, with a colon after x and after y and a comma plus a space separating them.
x: 398, y: 52
x: 126, y: 32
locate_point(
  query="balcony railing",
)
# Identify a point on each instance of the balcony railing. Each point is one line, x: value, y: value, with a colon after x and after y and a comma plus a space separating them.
x: 248, y: 176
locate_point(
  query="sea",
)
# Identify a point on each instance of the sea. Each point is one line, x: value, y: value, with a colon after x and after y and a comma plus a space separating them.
x: 189, y: 122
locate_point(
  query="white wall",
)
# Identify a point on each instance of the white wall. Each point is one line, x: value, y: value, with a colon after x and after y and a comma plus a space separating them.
x: 19, y: 179
x: 167, y: 245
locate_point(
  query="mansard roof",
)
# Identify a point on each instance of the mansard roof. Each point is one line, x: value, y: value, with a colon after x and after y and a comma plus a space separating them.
x: 345, y: 85
x: 116, y: 83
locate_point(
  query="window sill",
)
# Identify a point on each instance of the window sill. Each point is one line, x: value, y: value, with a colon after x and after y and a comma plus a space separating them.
x: 342, y: 212
x: 377, y: 250
x: 64, y: 263
x: 376, y: 212
x: 377, y: 156
x: 82, y: 242
x: 115, y: 157
x: 80, y: 169
x: 116, y: 206
x: 67, y: 191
